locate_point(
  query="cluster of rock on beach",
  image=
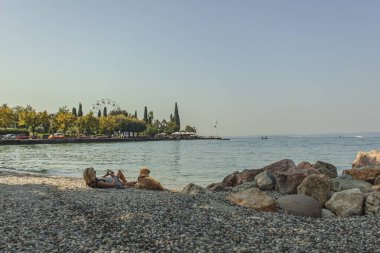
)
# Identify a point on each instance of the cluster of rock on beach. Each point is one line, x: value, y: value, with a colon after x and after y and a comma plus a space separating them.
x: 249, y: 211
x: 312, y: 190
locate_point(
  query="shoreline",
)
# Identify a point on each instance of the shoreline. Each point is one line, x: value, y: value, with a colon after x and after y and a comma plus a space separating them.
x: 54, y: 214
x: 96, y: 140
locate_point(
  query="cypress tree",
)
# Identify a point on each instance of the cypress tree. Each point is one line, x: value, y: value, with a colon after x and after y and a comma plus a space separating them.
x: 80, y: 112
x: 74, y: 111
x: 176, y: 118
x: 105, y: 112
x: 150, y: 118
x: 99, y: 113
x: 136, y: 114
x: 171, y: 118
x: 146, y: 115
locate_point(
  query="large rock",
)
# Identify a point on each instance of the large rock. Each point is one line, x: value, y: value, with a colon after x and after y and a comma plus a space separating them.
x: 237, y: 178
x: 218, y: 187
x: 326, y: 168
x: 346, y: 183
x: 300, y: 205
x: 193, y: 189
x: 244, y: 187
x: 305, y: 165
x: 367, y: 173
x: 372, y: 203
x: 280, y: 166
x: 254, y: 198
x: 264, y: 181
x: 316, y: 186
x: 234, y: 179
x: 346, y: 203
x: 366, y: 159
x: 247, y: 175
x: 288, y: 181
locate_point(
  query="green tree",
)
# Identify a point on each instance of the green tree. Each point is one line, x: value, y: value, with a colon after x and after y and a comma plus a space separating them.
x: 99, y: 113
x: 118, y: 112
x: 170, y: 128
x: 80, y: 112
x: 151, y: 130
x: 88, y: 123
x: 64, y: 119
x: 190, y: 129
x: 108, y: 124
x: 146, y: 115
x: 74, y: 112
x: 105, y: 112
x: 136, y: 114
x: 45, y: 121
x: 150, y: 118
x: 176, y: 118
x: 6, y: 116
x: 30, y: 118
x: 16, y: 112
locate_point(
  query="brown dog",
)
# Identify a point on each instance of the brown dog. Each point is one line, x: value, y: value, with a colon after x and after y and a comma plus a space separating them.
x: 144, y: 181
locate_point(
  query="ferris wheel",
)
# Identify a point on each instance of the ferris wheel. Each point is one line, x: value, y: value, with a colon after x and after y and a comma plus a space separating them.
x: 105, y: 103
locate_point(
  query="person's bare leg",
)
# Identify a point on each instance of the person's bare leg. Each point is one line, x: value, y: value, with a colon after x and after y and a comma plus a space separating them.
x: 120, y: 175
x: 129, y: 184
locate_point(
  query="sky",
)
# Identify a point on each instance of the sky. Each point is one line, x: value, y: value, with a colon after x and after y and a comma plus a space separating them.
x: 256, y: 67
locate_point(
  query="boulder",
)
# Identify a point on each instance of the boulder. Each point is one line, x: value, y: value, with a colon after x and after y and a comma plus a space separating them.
x: 304, y: 165
x: 367, y: 173
x: 193, y: 189
x: 376, y: 187
x: 279, y: 166
x: 346, y: 183
x: 237, y: 178
x: 231, y: 179
x: 234, y: 179
x: 316, y: 186
x: 366, y: 159
x: 264, y: 181
x: 326, y: 168
x: 300, y: 205
x: 244, y: 187
x: 247, y: 175
x: 346, y: 203
x: 326, y: 213
x: 372, y: 203
x: 288, y: 181
x: 253, y: 198
x: 218, y: 187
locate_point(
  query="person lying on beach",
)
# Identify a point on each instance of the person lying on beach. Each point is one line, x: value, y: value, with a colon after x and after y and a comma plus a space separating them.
x: 109, y: 180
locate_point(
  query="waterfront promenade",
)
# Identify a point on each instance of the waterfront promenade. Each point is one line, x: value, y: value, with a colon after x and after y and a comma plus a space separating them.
x: 96, y: 140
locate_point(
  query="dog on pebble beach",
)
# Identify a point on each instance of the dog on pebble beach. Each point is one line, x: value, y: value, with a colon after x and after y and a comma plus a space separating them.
x: 144, y: 181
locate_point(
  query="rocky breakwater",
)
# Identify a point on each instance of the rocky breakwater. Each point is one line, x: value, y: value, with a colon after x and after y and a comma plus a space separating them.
x: 306, y: 189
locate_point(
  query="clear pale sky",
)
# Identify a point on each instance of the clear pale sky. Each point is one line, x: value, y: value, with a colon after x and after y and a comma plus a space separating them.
x: 256, y: 67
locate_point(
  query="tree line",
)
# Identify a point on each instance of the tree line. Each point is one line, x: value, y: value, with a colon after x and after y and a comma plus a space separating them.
x: 75, y: 122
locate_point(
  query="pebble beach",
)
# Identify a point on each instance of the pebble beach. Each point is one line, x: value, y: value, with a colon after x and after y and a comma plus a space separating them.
x: 61, y: 214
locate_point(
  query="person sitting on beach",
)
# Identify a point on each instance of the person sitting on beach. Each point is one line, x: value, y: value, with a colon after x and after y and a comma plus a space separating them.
x: 109, y: 180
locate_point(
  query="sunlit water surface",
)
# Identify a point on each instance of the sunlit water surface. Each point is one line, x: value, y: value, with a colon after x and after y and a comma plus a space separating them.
x: 177, y: 163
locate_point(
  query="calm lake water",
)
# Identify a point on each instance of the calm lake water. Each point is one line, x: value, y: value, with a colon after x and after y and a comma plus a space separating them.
x: 177, y: 163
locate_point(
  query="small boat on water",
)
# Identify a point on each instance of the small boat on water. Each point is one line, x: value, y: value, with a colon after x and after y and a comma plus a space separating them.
x: 264, y: 137
x: 358, y: 136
